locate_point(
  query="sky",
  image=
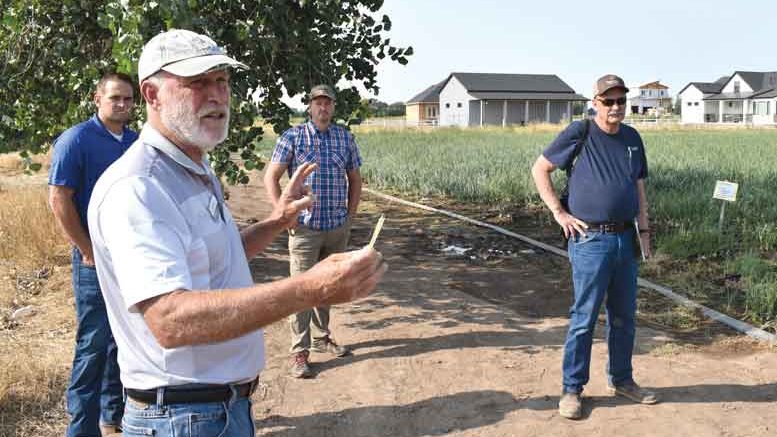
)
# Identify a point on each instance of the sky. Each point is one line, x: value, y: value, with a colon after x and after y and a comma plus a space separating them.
x: 676, y: 42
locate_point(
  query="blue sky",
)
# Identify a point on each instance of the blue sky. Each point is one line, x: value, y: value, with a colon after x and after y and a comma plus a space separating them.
x: 677, y: 41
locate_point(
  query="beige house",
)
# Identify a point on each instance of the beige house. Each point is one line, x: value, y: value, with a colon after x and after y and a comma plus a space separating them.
x: 424, y: 108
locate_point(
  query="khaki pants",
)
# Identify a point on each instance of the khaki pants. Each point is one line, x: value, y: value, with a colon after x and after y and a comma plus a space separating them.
x: 306, y: 248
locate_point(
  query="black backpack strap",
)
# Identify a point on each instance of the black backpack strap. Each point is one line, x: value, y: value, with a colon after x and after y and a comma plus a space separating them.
x: 578, y: 147
x: 564, y: 197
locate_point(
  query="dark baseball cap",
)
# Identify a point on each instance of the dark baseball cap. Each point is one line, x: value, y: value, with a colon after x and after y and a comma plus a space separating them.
x: 321, y: 90
x: 608, y: 82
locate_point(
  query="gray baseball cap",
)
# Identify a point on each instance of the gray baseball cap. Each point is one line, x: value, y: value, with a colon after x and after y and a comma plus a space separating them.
x: 321, y: 90
x: 608, y: 82
x: 183, y: 53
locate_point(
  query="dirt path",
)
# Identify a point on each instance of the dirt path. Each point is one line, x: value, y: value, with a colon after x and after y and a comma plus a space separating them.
x: 451, y: 345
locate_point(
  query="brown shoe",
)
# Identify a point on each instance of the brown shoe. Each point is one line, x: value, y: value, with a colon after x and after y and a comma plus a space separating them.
x: 634, y: 392
x: 327, y: 345
x: 110, y: 430
x: 299, y: 365
x: 570, y: 406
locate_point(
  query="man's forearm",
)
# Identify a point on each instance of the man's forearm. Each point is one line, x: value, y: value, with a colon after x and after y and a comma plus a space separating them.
x: 545, y: 188
x: 70, y: 222
x: 354, y: 196
x: 183, y: 318
x: 643, y: 217
x: 273, y: 190
x: 258, y: 236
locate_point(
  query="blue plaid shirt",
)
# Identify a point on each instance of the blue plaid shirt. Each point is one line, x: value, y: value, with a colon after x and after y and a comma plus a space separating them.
x: 336, y: 153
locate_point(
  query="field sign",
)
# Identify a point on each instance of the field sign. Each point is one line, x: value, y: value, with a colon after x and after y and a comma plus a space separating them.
x: 725, y: 190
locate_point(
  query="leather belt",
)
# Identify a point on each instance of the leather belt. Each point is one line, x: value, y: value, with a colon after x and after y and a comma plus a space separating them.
x: 173, y: 395
x: 610, y: 227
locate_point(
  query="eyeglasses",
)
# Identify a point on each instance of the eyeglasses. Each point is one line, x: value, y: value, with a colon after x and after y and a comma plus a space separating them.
x: 609, y: 102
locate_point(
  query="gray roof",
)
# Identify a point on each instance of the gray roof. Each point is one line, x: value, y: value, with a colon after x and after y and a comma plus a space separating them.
x: 495, y: 82
x: 729, y: 96
x: 759, y: 80
x: 767, y: 95
x: 429, y: 95
x: 708, y: 87
x: 527, y: 96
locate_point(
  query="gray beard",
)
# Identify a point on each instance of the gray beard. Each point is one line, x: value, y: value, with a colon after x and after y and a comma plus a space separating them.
x: 184, y: 123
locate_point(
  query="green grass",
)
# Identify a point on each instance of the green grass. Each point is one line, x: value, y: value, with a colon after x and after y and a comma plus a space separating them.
x: 492, y: 166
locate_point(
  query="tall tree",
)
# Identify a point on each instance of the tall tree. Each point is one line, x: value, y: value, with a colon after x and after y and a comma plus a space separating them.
x: 53, y: 52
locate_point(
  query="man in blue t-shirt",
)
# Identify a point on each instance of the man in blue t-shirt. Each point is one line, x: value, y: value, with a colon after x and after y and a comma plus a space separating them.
x: 604, y: 216
x: 81, y: 154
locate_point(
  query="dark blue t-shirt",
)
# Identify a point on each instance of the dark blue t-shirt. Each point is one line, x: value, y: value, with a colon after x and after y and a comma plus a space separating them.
x: 81, y: 154
x: 603, y: 185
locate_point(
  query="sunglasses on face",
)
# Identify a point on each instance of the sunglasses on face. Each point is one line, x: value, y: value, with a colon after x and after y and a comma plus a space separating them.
x: 609, y: 102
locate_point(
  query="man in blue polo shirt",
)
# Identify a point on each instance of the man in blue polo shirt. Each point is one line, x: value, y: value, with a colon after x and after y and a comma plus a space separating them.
x: 606, y: 198
x: 81, y: 154
x: 325, y: 228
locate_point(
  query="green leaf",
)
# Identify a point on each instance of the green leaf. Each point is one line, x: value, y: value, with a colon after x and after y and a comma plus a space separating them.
x: 289, y: 46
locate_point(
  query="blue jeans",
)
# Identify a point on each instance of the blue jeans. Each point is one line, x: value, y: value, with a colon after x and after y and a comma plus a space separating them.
x: 602, y: 264
x: 94, y: 395
x: 224, y: 419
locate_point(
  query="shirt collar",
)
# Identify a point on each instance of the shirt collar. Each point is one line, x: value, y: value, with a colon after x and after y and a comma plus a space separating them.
x: 149, y: 135
x: 313, y: 128
x: 101, y: 126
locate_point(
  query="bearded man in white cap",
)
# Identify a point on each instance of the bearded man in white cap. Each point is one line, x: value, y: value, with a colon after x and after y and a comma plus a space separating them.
x: 173, y: 265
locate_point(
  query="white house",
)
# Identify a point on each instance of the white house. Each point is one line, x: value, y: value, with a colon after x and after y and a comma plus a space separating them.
x: 650, y: 96
x: 478, y: 99
x: 744, y: 97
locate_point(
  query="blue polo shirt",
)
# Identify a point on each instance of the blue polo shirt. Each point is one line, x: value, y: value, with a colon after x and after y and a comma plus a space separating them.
x: 81, y: 154
x: 603, y: 186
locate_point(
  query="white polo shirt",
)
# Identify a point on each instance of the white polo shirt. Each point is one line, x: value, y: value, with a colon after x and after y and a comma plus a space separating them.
x: 158, y: 223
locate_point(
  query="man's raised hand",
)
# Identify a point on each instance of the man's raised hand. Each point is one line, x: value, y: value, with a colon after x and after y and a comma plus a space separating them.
x: 296, y: 196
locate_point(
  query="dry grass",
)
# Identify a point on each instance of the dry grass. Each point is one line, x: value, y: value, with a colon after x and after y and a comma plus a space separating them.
x: 13, y: 163
x: 29, y: 236
x: 33, y: 377
x: 35, y: 351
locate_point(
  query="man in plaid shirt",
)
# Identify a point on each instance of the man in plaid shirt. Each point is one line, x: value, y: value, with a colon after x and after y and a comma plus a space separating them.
x: 324, y: 228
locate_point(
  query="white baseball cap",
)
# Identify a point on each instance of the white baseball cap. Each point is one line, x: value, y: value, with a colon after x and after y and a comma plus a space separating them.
x: 183, y: 53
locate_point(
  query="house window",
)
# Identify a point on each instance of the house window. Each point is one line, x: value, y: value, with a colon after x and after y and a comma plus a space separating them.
x: 730, y: 104
x: 695, y: 103
x: 447, y: 105
x: 458, y: 105
x: 689, y: 103
x: 736, y: 86
x: 761, y: 108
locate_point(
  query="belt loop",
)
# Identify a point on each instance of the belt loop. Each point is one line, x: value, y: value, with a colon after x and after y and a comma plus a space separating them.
x: 254, y: 385
x: 160, y: 397
x: 233, y: 397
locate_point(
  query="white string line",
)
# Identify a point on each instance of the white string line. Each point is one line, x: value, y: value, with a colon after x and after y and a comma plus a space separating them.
x: 738, y: 325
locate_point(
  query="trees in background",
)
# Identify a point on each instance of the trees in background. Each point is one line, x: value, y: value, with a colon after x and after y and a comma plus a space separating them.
x: 53, y: 53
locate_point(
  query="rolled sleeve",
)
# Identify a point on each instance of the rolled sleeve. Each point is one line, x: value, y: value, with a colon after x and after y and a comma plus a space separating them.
x: 284, y: 147
x: 354, y: 157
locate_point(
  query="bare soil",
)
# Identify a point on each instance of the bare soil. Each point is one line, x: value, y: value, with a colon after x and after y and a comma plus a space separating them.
x: 471, y: 344
x: 461, y: 345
